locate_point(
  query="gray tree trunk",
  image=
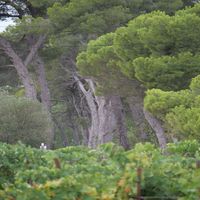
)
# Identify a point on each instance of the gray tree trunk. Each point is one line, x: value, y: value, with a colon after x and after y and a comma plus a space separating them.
x: 21, y: 69
x: 107, y: 117
x: 157, y: 127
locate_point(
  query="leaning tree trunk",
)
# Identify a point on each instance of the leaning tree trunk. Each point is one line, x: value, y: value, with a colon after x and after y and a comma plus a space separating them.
x: 157, y: 127
x: 21, y: 69
x: 142, y: 118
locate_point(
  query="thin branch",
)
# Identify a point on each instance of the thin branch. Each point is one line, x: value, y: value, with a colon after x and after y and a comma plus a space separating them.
x: 7, y: 15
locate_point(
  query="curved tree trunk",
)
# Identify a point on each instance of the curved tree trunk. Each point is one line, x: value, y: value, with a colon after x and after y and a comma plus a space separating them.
x: 21, y: 69
x: 157, y: 127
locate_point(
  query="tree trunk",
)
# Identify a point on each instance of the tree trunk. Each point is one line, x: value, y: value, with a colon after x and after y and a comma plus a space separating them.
x: 107, y: 118
x: 45, y: 95
x: 157, y: 127
x: 106, y: 121
x: 94, y: 129
x: 21, y: 69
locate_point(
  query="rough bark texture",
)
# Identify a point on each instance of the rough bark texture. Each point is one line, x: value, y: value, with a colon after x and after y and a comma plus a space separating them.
x: 92, y: 140
x: 157, y: 127
x: 107, y: 118
x: 106, y: 121
x: 22, y: 71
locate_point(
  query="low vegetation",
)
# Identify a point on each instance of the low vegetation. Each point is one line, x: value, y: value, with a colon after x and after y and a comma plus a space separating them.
x: 108, y: 173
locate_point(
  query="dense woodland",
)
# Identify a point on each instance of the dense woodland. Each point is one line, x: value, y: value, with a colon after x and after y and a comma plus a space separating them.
x: 76, y: 74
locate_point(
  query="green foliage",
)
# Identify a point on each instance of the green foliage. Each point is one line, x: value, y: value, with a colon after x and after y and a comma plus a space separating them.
x: 89, y: 17
x: 167, y: 72
x: 184, y: 148
x: 195, y: 85
x: 24, y: 120
x: 159, y: 103
x: 101, y: 62
x: 15, y: 158
x: 162, y: 35
x: 27, y: 26
x: 108, y: 173
x: 159, y: 50
x: 178, y: 110
x: 185, y: 122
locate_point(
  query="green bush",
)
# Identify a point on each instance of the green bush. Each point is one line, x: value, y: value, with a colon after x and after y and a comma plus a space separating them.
x: 24, y: 120
x: 16, y: 158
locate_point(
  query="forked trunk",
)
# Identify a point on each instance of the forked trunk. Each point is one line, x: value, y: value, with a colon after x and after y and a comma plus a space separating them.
x: 107, y: 119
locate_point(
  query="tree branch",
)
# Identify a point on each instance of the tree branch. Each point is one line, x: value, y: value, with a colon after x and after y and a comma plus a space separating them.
x: 34, y: 50
x: 7, y: 15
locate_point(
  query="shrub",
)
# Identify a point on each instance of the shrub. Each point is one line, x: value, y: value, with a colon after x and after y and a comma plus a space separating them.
x: 23, y: 119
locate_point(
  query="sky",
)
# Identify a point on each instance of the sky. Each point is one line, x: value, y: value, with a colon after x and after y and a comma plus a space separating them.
x: 4, y: 24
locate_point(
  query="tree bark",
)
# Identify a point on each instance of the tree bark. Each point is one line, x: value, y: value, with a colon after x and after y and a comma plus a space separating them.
x: 34, y: 49
x: 45, y: 94
x: 157, y: 127
x: 22, y: 71
x: 93, y: 138
x: 21, y: 67
x: 107, y: 119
